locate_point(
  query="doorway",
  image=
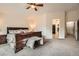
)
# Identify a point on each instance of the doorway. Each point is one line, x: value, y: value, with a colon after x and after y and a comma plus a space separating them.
x: 77, y: 30
x: 70, y: 27
x: 55, y: 28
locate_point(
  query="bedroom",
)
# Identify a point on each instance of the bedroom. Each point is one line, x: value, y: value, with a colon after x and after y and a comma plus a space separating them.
x: 16, y: 15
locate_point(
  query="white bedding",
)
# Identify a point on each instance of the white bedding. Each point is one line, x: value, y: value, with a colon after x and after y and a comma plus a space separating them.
x: 31, y: 41
x: 11, y: 39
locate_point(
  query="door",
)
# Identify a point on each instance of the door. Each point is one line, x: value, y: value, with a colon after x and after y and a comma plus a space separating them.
x: 53, y: 29
x: 78, y: 30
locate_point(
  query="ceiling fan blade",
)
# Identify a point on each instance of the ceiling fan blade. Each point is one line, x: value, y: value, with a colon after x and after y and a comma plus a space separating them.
x: 39, y: 5
x: 28, y: 7
x: 31, y: 3
x: 35, y: 9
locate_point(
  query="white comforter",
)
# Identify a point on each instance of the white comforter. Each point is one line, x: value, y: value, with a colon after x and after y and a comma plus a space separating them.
x: 31, y: 41
x: 11, y: 40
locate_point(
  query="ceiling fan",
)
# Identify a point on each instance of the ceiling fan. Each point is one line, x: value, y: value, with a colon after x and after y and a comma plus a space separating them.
x: 34, y: 5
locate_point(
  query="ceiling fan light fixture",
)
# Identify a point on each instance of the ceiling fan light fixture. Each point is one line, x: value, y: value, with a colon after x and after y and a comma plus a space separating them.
x: 32, y: 6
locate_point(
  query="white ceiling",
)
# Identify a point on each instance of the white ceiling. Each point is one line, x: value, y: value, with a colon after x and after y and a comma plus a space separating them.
x: 54, y: 7
x: 62, y: 6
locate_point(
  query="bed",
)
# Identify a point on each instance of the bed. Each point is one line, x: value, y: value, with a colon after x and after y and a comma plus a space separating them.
x: 20, y: 40
x: 16, y: 43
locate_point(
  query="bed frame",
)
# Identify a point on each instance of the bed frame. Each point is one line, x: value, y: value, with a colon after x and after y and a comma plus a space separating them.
x: 19, y: 43
x: 16, y: 28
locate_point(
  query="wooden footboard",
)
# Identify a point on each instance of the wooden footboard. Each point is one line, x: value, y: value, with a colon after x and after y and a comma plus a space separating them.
x: 20, y: 39
x: 19, y: 42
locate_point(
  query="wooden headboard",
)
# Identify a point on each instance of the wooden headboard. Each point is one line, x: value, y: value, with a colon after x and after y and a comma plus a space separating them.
x: 16, y: 28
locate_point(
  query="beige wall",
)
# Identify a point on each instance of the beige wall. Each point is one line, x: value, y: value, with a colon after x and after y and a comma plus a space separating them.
x: 17, y: 15
x: 70, y: 27
x: 12, y: 15
x: 39, y: 21
x: 73, y: 16
x: 56, y: 15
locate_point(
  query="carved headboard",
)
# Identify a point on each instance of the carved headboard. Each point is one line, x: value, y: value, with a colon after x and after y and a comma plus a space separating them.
x: 16, y: 28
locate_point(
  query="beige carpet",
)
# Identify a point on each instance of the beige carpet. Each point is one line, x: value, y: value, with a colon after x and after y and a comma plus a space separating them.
x: 56, y: 47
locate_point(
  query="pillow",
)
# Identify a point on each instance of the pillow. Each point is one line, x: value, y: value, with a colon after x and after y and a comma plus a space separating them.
x: 18, y: 31
x: 23, y: 31
x: 14, y: 31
